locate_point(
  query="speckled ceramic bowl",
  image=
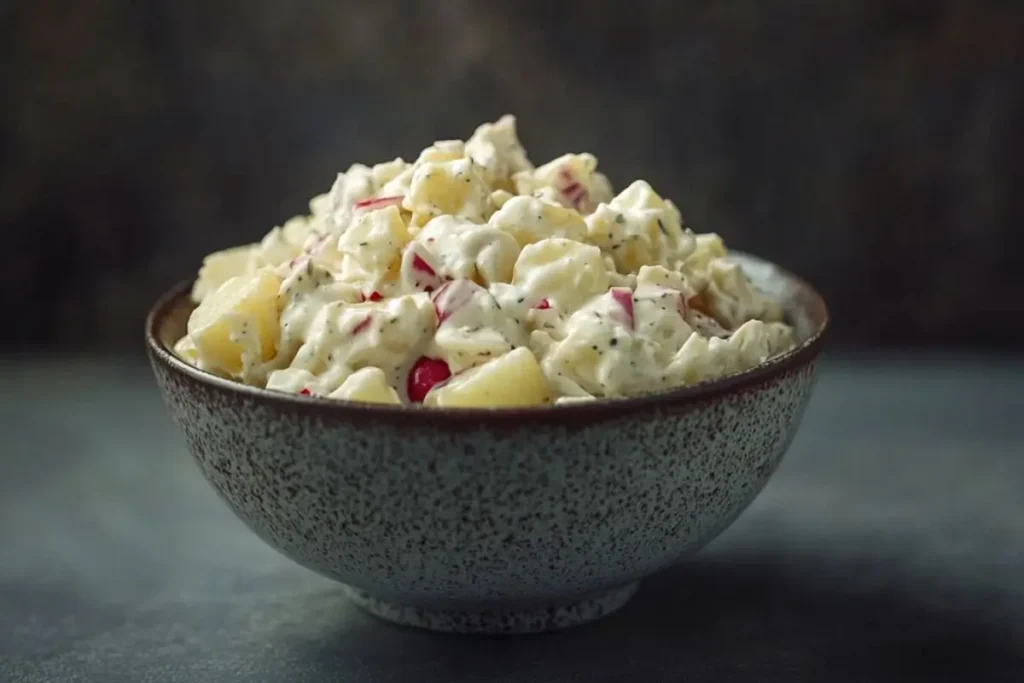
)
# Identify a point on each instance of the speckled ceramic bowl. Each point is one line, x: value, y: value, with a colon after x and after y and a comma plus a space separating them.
x: 493, y: 521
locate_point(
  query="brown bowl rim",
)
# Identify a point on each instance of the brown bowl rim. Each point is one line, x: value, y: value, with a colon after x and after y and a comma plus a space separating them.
x: 575, y: 412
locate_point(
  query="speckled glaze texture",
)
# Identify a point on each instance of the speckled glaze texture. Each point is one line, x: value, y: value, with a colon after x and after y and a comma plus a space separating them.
x: 486, y: 522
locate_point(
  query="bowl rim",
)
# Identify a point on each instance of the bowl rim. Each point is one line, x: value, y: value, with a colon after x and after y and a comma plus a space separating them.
x: 591, y: 411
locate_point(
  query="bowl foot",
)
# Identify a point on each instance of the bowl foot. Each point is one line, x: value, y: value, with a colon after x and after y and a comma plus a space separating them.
x: 497, y: 619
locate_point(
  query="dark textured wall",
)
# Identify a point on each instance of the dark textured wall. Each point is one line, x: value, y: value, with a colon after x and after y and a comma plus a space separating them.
x: 873, y: 146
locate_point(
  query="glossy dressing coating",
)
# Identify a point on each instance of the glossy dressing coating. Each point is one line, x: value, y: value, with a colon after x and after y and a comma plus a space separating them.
x: 526, y: 285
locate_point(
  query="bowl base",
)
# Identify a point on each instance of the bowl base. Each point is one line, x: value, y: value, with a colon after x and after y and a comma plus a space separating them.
x: 497, y: 619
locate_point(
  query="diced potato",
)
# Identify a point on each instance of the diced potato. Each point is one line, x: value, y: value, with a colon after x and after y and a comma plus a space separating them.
x: 452, y: 187
x: 296, y: 230
x: 241, y: 315
x: 514, y: 379
x: 275, y: 248
x: 219, y: 267
x: 185, y: 349
x: 640, y: 228
x: 530, y: 220
x: 375, y: 239
x: 320, y: 205
x: 442, y: 151
x: 563, y: 271
x: 708, y: 247
x: 291, y: 380
x: 470, y: 250
x: 571, y: 180
x: 369, y: 385
x: 387, y: 172
x: 500, y: 197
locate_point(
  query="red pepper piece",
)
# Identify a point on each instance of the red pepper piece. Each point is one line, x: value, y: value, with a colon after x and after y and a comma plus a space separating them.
x: 624, y: 298
x: 378, y: 202
x: 363, y: 324
x: 419, y: 264
x: 425, y: 373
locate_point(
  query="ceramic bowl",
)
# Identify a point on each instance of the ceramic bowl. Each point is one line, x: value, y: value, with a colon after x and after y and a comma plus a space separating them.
x: 493, y: 521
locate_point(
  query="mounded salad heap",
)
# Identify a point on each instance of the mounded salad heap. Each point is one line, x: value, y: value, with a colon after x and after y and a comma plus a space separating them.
x: 472, y: 278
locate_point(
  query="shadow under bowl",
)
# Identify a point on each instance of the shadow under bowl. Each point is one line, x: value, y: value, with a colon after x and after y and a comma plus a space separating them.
x: 493, y: 520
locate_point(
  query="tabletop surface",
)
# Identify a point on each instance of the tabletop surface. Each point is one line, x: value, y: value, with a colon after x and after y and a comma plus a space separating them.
x: 888, y: 547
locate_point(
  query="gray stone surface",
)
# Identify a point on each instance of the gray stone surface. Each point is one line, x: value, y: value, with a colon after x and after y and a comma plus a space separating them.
x: 889, y: 547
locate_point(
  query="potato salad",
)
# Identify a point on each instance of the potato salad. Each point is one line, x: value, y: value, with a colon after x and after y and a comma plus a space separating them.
x: 472, y: 278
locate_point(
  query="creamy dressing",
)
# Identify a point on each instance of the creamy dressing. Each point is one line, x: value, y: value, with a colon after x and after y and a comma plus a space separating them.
x: 405, y: 274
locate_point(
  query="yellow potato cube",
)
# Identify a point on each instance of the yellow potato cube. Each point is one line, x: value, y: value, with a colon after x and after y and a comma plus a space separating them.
x: 442, y: 151
x: 530, y: 220
x: 708, y: 247
x: 369, y: 385
x: 375, y: 239
x: 297, y: 229
x: 563, y: 271
x: 219, y: 267
x: 186, y: 350
x: 512, y: 380
x: 453, y: 187
x: 239, y: 321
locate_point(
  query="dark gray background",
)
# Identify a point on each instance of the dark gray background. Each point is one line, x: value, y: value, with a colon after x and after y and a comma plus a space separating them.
x: 872, y: 146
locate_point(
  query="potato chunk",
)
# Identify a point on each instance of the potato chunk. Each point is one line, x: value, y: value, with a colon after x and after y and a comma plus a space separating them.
x: 562, y: 271
x: 237, y: 322
x: 508, y: 381
x: 369, y: 385
x: 219, y: 267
